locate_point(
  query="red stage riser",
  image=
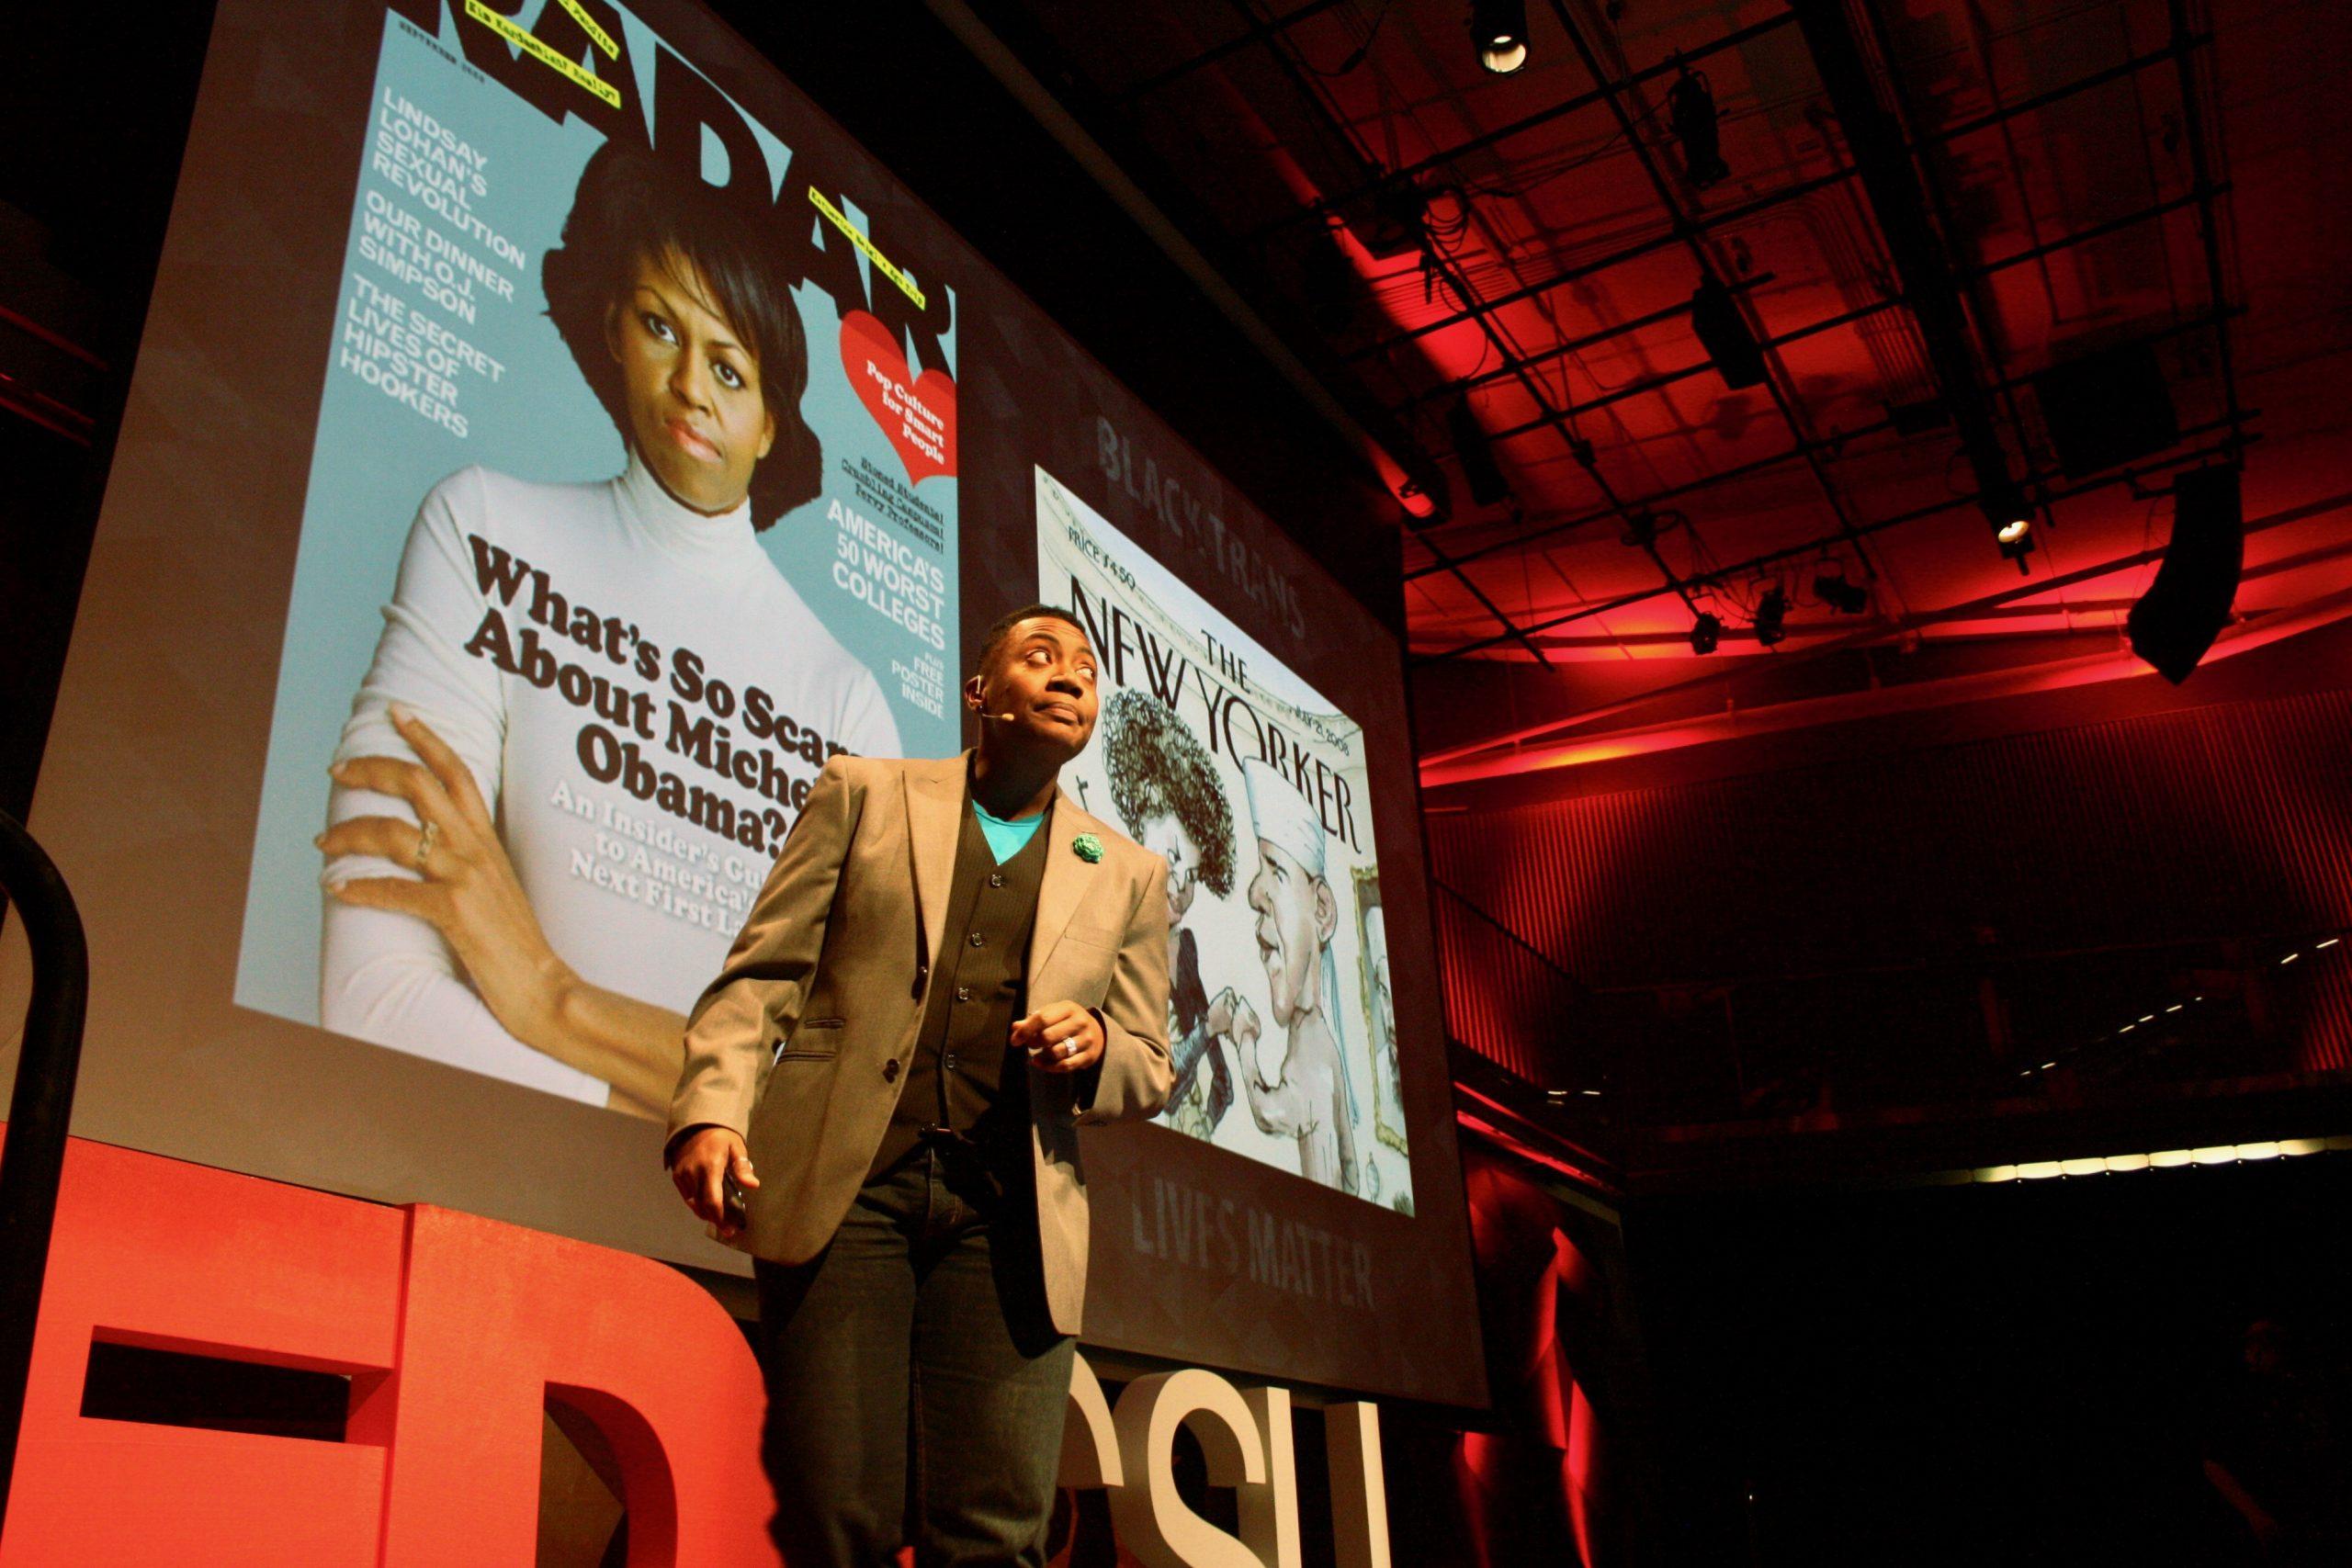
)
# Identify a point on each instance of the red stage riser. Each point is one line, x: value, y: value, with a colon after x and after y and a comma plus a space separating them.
x: 455, y: 1332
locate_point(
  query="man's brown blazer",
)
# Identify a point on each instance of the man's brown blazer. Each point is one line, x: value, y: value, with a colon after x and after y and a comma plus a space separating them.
x: 801, y: 1043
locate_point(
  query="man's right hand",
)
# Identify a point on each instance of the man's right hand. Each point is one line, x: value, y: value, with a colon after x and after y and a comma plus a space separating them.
x: 704, y: 1162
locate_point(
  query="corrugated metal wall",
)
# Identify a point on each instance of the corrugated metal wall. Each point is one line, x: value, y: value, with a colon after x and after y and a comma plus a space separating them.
x: 2207, y: 823
x: 1520, y: 1004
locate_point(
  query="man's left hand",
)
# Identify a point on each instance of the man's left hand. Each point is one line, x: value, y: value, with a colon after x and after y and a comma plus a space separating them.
x: 1061, y: 1037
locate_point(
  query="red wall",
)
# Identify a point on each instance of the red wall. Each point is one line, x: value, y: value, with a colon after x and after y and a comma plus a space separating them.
x: 1886, y: 883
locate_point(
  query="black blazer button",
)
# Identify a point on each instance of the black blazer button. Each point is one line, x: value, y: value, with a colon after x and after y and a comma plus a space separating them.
x: 890, y: 1071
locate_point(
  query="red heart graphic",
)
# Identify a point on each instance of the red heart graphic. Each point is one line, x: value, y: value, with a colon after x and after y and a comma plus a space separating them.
x: 919, y: 419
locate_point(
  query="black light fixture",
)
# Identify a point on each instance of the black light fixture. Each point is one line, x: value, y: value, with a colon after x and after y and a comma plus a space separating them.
x: 1640, y: 529
x: 1771, y: 618
x: 2187, y: 606
x: 1723, y: 333
x: 1690, y: 109
x: 1403, y: 209
x: 1476, y: 458
x: 1841, y: 596
x: 1332, y: 285
x: 1498, y: 28
x: 1706, y: 632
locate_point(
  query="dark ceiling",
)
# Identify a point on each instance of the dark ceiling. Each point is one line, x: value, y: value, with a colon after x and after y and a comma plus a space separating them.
x: 1926, y: 205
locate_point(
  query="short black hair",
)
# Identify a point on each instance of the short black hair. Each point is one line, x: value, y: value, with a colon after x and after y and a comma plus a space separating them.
x: 630, y: 203
x: 1158, y: 768
x: 1003, y: 628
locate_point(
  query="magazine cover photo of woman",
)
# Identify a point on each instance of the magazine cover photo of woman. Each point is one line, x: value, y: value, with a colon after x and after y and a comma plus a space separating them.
x: 506, y: 891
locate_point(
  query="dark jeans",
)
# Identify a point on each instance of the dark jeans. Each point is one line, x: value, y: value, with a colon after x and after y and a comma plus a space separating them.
x: 916, y: 1386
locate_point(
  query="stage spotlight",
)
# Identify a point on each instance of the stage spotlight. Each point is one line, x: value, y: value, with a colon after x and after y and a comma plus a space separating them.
x: 1771, y: 618
x: 1499, y: 29
x: 2011, y: 515
x: 1841, y: 596
x: 1690, y: 108
x: 1476, y: 458
x: 1422, y: 510
x: 1723, y: 333
x: 2187, y: 606
x: 1705, y: 633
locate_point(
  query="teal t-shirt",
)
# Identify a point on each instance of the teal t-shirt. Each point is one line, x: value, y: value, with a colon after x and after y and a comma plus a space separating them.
x: 1005, y: 839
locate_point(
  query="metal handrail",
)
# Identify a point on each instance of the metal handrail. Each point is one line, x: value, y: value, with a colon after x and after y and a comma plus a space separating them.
x: 1503, y: 930
x: 39, y: 1111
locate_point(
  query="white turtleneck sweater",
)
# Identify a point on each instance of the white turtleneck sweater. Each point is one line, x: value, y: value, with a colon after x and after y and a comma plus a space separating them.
x: 634, y: 897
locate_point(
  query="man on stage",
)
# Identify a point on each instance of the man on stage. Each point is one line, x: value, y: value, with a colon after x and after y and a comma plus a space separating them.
x: 950, y: 969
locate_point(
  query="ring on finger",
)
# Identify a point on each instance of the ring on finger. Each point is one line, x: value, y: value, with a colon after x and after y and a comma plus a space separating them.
x: 424, y: 842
